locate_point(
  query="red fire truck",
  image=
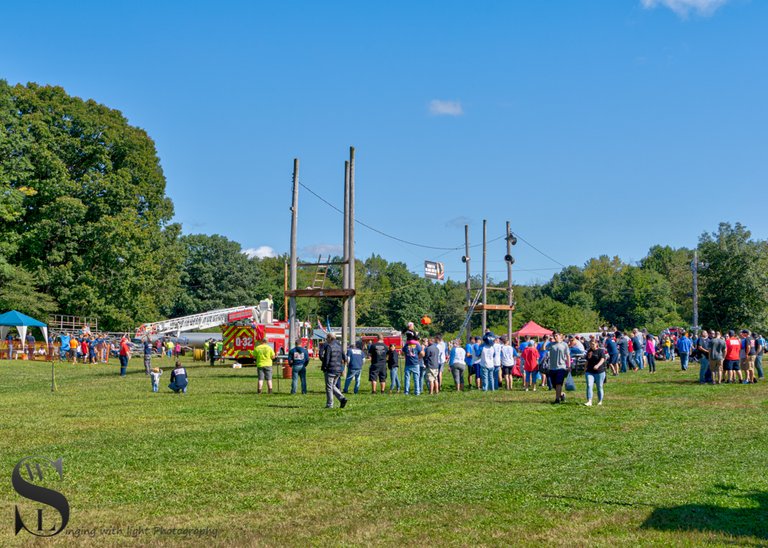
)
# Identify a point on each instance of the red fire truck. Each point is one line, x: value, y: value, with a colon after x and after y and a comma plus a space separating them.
x: 241, y: 334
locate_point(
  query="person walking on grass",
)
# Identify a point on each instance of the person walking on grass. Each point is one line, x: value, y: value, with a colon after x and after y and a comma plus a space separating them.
x: 507, y: 362
x: 432, y: 365
x: 458, y: 364
x: 531, y: 366
x: 732, y: 350
x: 716, y: 356
x: 650, y: 352
x: 595, y: 372
x: 377, y: 375
x: 264, y: 354
x: 147, y: 355
x: 298, y: 359
x: 393, y: 363
x: 179, y: 381
x: 559, y: 366
x: 354, y: 367
x: 332, y: 358
x: 703, y: 347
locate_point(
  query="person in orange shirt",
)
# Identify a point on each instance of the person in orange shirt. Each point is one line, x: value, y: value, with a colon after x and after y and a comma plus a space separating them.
x: 732, y: 349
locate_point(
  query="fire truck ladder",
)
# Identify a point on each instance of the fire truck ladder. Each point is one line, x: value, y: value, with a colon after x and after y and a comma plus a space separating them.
x: 321, y: 273
x: 193, y: 322
x: 470, y: 311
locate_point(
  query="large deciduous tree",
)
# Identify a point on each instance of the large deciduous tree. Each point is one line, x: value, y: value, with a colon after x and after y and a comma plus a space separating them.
x: 94, y: 228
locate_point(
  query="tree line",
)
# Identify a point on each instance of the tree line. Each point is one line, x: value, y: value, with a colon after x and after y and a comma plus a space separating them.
x: 86, y: 229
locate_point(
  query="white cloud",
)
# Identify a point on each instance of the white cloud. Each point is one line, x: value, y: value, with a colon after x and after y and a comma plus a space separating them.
x: 684, y: 7
x: 438, y: 107
x: 260, y: 252
x: 322, y: 249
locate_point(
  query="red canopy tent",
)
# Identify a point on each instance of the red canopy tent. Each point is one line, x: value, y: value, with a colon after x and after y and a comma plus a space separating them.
x: 532, y: 329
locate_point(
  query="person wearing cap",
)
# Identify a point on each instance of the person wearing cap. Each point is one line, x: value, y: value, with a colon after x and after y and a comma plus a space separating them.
x: 486, y: 353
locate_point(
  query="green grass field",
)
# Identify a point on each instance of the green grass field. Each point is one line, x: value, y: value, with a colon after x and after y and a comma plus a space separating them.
x: 665, y: 461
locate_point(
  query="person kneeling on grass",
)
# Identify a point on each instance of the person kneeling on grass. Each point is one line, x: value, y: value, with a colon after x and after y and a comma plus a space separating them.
x: 179, y: 380
x: 264, y: 355
x: 154, y: 375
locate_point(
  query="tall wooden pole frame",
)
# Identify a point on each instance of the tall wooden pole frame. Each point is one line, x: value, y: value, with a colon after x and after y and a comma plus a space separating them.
x: 351, y: 245
x: 510, y: 291
x: 469, y: 287
x: 345, y: 267
x: 294, y: 259
x: 485, y: 276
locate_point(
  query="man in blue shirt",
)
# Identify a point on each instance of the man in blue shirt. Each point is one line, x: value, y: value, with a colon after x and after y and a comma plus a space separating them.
x: 354, y: 367
x: 412, y: 352
x: 298, y: 359
x: 684, y: 345
x: 612, y: 350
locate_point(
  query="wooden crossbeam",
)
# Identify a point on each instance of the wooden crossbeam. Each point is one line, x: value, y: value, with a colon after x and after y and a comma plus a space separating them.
x: 319, y: 293
x: 481, y: 307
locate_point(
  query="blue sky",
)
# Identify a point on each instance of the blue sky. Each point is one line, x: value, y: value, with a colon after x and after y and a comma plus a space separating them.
x: 594, y: 126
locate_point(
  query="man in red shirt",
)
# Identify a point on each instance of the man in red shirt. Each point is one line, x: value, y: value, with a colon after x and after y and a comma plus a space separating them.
x: 125, y: 355
x: 732, y: 349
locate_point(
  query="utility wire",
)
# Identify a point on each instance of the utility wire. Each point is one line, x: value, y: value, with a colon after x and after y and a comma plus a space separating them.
x: 539, y: 250
x: 401, y: 240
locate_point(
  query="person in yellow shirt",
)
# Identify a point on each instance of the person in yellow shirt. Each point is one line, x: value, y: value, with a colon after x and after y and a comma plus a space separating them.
x: 264, y: 354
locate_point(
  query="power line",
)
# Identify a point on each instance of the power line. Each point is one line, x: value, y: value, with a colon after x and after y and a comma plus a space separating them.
x: 539, y: 250
x: 401, y: 240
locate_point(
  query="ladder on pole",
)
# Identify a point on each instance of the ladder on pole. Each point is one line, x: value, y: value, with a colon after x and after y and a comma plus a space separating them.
x: 470, y: 311
x: 320, y: 273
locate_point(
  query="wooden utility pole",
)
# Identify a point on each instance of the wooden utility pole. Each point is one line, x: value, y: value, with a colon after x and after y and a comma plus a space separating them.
x: 351, y: 244
x: 345, y: 266
x: 485, y: 276
x: 695, y: 269
x: 469, y: 287
x: 294, y: 225
x: 509, y: 283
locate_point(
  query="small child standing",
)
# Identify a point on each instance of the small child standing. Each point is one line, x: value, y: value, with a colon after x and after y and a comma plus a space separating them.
x: 155, y: 377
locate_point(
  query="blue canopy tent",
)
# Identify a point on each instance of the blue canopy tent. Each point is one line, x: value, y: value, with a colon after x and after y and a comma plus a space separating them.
x: 21, y: 322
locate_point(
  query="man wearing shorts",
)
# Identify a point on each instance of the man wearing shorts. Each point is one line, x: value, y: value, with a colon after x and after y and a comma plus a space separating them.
x: 377, y: 352
x: 732, y: 350
x: 612, y: 349
x: 264, y: 355
x: 747, y: 356
x: 716, y: 355
x: 507, y: 362
x: 559, y: 366
x: 432, y: 362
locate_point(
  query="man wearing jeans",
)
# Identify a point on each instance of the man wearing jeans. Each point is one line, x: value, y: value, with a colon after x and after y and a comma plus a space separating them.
x: 703, y: 346
x: 412, y: 352
x: 638, y: 348
x: 298, y: 359
x: 125, y: 355
x: 332, y: 359
x: 487, y: 355
x: 354, y: 367
x: 684, y: 345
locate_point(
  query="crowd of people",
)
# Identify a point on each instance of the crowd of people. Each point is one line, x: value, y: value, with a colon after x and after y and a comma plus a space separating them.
x: 489, y: 363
